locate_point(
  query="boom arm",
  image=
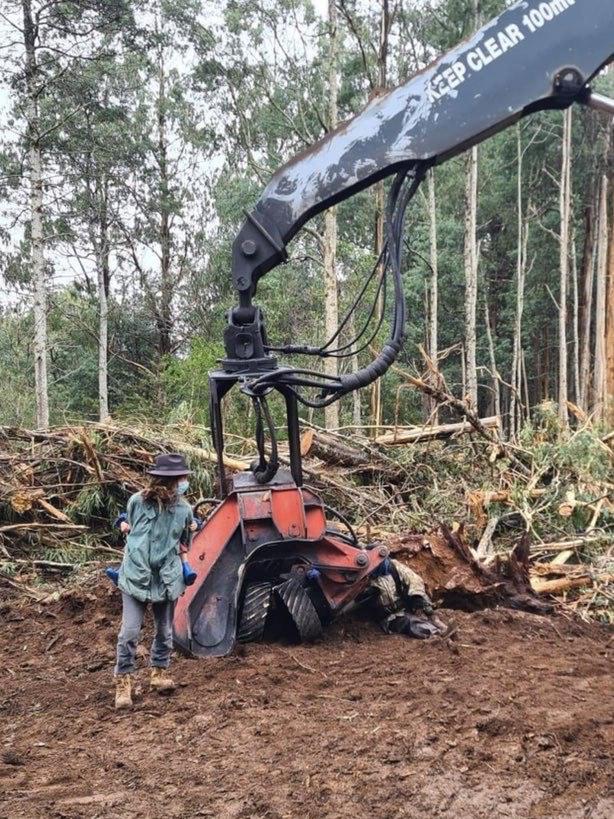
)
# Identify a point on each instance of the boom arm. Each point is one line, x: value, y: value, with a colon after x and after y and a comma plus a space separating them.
x: 538, y: 54
x: 534, y: 56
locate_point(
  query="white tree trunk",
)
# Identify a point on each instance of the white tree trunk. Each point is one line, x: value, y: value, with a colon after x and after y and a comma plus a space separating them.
x: 565, y: 214
x: 493, y: 362
x: 587, y: 308
x: 331, y: 285
x: 40, y: 288
x: 433, y: 329
x: 355, y: 365
x: 600, y: 386
x: 382, y: 79
x: 609, y: 328
x: 576, y: 323
x: 103, y: 337
x: 520, y: 268
x: 35, y: 170
x: 376, y: 387
x: 471, y: 275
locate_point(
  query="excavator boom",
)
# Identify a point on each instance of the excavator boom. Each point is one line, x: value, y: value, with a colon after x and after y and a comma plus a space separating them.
x: 536, y: 55
x: 267, y: 546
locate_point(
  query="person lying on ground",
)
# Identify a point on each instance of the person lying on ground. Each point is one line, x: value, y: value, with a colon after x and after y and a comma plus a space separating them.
x: 399, y: 602
x: 153, y: 570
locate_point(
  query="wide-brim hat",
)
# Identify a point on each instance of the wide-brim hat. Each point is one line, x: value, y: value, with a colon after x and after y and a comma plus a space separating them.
x: 169, y: 465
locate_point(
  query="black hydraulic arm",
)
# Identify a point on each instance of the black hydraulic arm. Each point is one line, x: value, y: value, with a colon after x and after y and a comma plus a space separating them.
x: 536, y: 55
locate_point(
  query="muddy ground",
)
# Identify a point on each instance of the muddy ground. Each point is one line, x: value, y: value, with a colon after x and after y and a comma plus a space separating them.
x: 512, y: 717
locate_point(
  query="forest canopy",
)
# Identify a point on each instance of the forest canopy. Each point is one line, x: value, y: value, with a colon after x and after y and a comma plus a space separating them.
x: 136, y: 134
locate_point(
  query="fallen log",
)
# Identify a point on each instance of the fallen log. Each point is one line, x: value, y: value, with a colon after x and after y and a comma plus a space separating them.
x: 332, y: 450
x: 335, y: 451
x: 563, y: 545
x: 562, y: 584
x: 416, y: 435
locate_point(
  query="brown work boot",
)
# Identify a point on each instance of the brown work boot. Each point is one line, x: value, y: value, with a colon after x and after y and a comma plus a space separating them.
x: 162, y: 681
x: 123, y: 691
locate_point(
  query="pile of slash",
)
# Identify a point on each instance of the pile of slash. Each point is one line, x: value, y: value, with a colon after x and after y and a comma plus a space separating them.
x: 481, y: 521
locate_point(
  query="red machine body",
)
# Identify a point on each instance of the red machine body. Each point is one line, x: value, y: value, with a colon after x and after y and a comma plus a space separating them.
x: 268, y: 548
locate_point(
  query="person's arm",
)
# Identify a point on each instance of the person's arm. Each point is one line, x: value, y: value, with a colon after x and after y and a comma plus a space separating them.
x: 185, y: 540
x: 120, y: 520
x: 415, y: 590
x: 127, y: 525
x: 189, y: 575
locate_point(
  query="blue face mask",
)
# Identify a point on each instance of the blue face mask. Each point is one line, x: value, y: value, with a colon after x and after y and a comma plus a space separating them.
x: 182, y: 487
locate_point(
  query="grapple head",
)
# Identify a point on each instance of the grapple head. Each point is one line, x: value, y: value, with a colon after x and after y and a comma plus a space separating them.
x: 265, y: 545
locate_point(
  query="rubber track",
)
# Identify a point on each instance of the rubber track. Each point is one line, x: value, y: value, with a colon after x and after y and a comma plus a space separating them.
x: 256, y: 605
x: 294, y: 597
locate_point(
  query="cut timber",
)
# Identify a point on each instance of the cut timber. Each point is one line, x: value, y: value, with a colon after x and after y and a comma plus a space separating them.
x: 55, y: 513
x: 332, y: 450
x: 208, y: 455
x: 335, y: 451
x: 565, y: 583
x: 415, y: 435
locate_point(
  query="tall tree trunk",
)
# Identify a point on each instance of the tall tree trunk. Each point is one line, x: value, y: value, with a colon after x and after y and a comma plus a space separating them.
x: 376, y: 388
x: 520, y: 271
x: 471, y: 275
x: 165, y: 318
x: 331, y: 292
x: 600, y: 396
x: 382, y: 79
x: 433, y: 300
x: 496, y: 390
x: 471, y: 258
x: 103, y: 305
x: 546, y: 396
x: 355, y: 365
x: 609, y: 328
x: 586, y: 309
x: 576, y: 323
x: 35, y: 169
x: 565, y: 214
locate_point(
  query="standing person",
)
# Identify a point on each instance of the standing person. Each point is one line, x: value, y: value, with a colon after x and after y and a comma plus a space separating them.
x: 153, y: 571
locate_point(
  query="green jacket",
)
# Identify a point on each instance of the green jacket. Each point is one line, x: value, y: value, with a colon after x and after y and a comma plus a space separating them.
x: 151, y: 569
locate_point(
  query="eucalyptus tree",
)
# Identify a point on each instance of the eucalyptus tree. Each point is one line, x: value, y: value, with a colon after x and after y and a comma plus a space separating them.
x: 50, y: 42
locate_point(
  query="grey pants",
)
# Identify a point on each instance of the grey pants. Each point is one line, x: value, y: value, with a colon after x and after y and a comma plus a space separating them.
x: 132, y: 620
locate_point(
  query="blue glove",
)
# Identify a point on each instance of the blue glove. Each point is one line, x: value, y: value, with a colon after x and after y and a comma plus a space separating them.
x: 189, y: 575
x: 112, y: 574
x: 121, y: 518
x: 199, y: 523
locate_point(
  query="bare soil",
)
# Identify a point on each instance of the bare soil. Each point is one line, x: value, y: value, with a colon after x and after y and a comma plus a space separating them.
x: 511, y: 717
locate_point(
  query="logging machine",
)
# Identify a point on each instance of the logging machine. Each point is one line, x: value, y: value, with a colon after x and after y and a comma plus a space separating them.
x: 267, y: 544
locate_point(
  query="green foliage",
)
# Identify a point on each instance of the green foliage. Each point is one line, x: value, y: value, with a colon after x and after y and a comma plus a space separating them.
x: 579, y: 453
x: 241, y: 95
x: 185, y: 381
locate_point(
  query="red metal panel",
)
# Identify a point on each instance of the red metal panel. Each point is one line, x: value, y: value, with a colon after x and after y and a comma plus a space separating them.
x: 255, y: 505
x: 344, y: 569
x: 206, y: 548
x: 316, y: 522
x: 288, y: 511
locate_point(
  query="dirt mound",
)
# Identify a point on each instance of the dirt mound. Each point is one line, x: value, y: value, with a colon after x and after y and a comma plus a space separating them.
x: 511, y: 717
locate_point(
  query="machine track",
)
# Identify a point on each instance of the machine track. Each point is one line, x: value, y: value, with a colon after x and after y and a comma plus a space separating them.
x: 256, y: 605
x: 293, y: 596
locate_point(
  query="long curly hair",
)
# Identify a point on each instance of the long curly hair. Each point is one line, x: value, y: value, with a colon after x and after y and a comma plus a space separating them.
x: 161, y: 491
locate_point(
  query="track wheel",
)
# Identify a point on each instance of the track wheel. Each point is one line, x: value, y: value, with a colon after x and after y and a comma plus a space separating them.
x: 256, y: 605
x: 294, y: 598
